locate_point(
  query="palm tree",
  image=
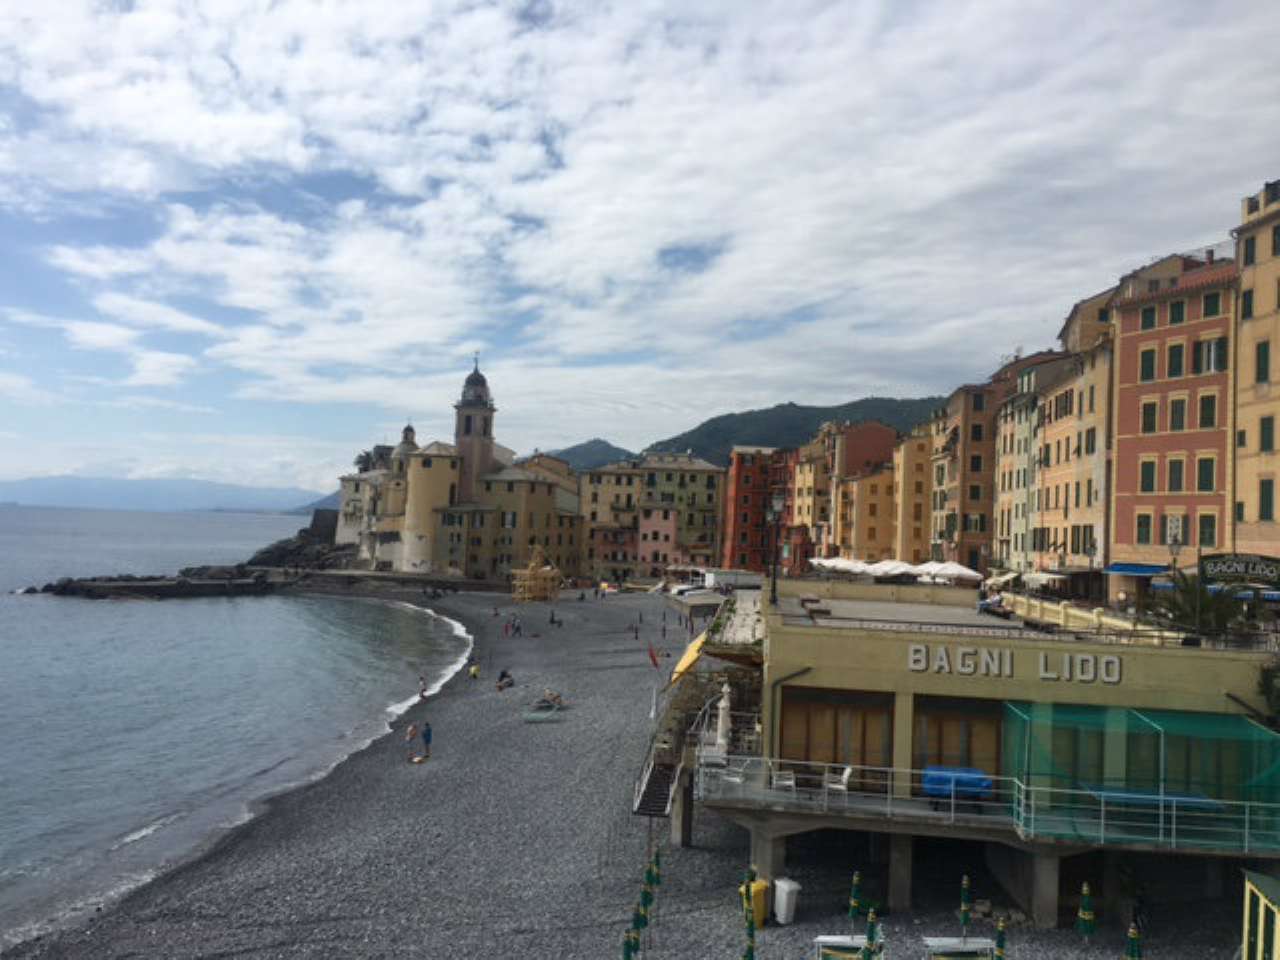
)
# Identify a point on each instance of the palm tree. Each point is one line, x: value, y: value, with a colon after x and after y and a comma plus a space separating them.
x: 1191, y: 606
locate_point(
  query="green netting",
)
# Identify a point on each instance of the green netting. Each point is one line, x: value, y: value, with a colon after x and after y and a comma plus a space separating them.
x: 1121, y: 751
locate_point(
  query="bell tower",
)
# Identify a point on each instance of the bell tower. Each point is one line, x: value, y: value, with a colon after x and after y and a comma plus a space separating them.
x: 473, y: 432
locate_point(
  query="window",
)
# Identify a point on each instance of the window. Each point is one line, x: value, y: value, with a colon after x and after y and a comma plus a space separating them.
x: 1148, y: 320
x: 1174, y: 366
x: 466, y: 424
x: 1178, y: 414
x: 1147, y: 476
x: 1266, y: 500
x: 1212, y: 304
x: 1275, y: 240
x: 1246, y: 304
x: 1091, y: 440
x: 1267, y: 434
x: 1147, y: 366
x: 1149, y: 414
x: 1175, y: 469
x: 1242, y: 438
x: 1177, y: 312
x: 1206, y: 474
x: 975, y: 463
x: 979, y: 402
x: 1091, y: 397
x: 1144, y: 528
x: 1262, y: 361
x: 1208, y: 530
x: 1248, y: 253
x: 975, y: 491
x: 1208, y: 411
x: 975, y: 431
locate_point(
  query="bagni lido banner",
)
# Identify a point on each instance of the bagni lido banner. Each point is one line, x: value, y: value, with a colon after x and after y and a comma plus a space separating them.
x: 1242, y: 568
x: 964, y: 661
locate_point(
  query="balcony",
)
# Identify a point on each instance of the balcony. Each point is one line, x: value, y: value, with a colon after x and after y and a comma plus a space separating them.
x: 1003, y: 808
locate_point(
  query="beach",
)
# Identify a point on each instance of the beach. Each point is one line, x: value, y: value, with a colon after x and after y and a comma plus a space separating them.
x: 516, y: 839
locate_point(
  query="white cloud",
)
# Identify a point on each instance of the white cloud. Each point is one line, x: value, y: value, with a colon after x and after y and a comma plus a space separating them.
x: 23, y: 390
x: 641, y: 214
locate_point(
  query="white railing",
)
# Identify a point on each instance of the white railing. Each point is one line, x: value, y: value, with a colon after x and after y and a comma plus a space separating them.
x: 1102, y: 816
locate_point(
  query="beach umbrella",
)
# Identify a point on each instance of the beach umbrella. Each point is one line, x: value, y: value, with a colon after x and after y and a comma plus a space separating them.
x: 1133, y: 947
x: 1000, y: 939
x: 855, y: 901
x: 1084, y: 916
x: 869, y: 949
x: 964, y: 906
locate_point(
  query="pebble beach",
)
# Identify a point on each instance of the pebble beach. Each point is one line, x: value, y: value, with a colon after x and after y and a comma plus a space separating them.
x: 516, y: 839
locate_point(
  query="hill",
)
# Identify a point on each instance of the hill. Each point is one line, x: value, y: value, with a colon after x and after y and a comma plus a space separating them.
x: 117, y: 493
x: 591, y: 454
x: 789, y: 425
x: 331, y: 502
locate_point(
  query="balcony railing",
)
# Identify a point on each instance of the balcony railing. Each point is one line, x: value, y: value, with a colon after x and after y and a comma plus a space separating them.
x: 1103, y: 816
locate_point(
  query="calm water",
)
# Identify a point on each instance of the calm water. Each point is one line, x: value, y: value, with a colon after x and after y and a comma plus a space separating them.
x: 132, y: 730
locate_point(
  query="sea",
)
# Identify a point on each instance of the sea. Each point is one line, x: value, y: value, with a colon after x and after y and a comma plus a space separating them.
x: 134, y: 732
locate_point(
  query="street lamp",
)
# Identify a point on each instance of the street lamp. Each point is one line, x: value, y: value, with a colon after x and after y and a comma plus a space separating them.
x: 776, y: 505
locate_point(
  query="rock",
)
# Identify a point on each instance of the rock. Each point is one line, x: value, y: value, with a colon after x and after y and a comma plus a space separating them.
x: 30, y: 590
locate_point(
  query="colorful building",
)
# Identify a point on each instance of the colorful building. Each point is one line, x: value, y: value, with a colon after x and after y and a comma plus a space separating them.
x: 1257, y: 399
x: 912, y: 492
x: 1172, y: 415
x: 748, y: 496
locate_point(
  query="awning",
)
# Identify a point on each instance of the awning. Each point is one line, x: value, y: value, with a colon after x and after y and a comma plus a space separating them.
x: 1040, y: 579
x: 689, y: 657
x: 1136, y: 569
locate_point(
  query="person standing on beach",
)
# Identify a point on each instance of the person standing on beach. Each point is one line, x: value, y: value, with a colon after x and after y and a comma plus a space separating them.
x: 426, y: 739
x: 409, y: 736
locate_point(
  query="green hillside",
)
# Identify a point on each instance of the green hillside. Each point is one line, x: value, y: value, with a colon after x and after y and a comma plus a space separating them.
x: 789, y: 424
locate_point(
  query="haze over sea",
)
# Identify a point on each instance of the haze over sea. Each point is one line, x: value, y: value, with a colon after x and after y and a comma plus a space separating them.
x: 135, y: 730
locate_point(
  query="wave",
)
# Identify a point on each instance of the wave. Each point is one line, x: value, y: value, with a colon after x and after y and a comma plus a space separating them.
x: 460, y: 632
x: 143, y: 832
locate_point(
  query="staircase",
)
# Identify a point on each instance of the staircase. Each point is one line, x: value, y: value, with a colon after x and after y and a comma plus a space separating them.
x: 654, y: 794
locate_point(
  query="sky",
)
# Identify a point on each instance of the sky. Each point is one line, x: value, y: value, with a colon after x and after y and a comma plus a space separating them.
x: 241, y: 241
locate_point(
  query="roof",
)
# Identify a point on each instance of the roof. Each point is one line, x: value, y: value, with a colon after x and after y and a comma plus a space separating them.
x: 743, y: 448
x: 436, y: 448
x: 1201, y: 278
x: 514, y: 473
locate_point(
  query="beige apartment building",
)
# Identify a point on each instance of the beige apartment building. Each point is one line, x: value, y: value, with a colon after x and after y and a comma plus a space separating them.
x: 864, y: 524
x: 912, y: 493
x: 811, y: 507
x: 1257, y: 399
x: 1015, y: 476
x: 645, y: 514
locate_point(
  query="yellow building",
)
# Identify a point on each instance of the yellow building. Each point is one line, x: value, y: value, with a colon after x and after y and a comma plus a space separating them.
x: 863, y: 516
x: 899, y: 710
x: 1260, y: 939
x: 1257, y: 465
x: 912, y: 492
x: 461, y: 508
x: 812, y: 505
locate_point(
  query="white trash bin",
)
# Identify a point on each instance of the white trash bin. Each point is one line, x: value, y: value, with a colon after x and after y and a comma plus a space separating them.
x: 785, y: 894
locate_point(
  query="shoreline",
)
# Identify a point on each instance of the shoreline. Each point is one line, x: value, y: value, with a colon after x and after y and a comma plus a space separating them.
x: 83, y: 911
x: 368, y: 785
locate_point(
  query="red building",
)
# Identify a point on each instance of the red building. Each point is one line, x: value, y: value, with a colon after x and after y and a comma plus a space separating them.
x: 754, y: 473
x: 1172, y: 414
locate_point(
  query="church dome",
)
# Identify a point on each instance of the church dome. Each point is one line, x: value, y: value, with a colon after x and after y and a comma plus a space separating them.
x: 407, y: 444
x: 475, y: 389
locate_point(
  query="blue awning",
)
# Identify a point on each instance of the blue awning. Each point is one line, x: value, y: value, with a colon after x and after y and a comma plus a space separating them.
x: 1136, y: 569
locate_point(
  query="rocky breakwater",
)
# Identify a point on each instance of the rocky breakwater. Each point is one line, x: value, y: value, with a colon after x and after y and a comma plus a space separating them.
x: 311, y: 548
x: 231, y: 581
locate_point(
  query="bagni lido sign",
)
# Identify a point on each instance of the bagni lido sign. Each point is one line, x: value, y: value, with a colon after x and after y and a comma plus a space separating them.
x: 1004, y: 663
x: 1241, y: 567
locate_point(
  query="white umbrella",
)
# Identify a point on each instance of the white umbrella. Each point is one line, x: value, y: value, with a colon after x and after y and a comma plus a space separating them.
x: 851, y: 566
x: 929, y: 567
x: 889, y: 568
x: 956, y: 571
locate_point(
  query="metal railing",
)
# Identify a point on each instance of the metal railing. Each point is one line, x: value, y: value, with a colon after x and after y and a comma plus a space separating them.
x: 1096, y: 817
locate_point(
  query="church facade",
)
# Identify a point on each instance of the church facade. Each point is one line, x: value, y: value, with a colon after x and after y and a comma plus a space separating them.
x: 463, y: 509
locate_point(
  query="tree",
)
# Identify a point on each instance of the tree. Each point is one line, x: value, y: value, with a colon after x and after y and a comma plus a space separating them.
x: 363, y: 461
x: 1191, y: 606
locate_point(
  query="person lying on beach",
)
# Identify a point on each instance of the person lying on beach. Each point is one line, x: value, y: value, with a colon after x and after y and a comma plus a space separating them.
x: 550, y: 696
x: 505, y: 680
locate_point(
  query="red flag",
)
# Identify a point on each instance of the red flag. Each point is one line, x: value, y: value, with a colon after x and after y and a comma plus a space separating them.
x: 653, y: 656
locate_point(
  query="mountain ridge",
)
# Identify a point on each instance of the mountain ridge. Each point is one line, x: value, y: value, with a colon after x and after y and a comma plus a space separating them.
x: 153, y: 494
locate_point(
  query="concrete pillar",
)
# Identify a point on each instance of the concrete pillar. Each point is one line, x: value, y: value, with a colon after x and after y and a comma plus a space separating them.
x: 682, y: 812
x: 904, y: 720
x: 1115, y: 749
x: 1214, y: 878
x: 1044, y: 890
x: 768, y: 853
x: 900, y: 851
